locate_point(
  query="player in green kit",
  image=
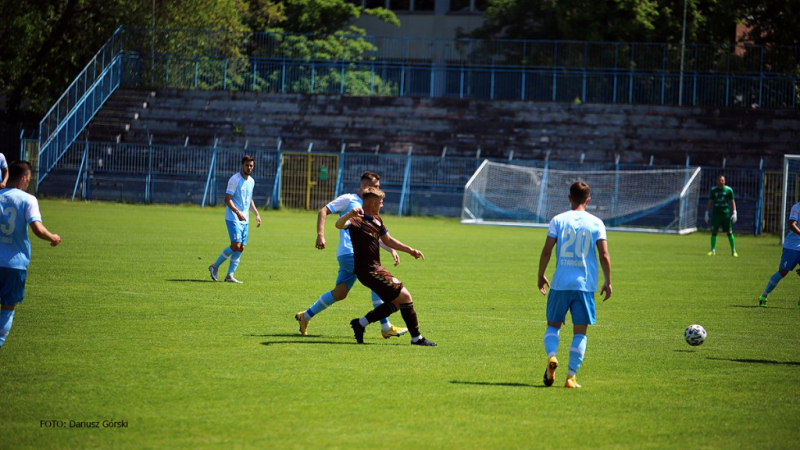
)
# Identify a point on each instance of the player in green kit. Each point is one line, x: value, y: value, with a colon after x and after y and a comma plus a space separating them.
x: 722, y: 207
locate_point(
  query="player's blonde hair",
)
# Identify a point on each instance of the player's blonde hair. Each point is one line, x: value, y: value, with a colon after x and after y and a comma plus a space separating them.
x: 373, y: 192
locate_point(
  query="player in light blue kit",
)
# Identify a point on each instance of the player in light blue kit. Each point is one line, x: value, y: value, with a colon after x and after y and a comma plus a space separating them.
x: 574, y: 234
x: 238, y: 202
x: 790, y: 257
x: 18, y: 209
x: 3, y: 171
x: 346, y: 277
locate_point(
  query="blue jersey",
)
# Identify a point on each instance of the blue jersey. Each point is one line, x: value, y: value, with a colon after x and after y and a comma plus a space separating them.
x: 17, y: 210
x: 3, y: 163
x: 242, y: 192
x: 343, y: 204
x: 576, y: 233
x: 792, y: 241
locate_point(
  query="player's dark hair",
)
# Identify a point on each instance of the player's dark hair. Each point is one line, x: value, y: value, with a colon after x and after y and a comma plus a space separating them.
x: 372, y: 192
x: 579, y: 191
x: 247, y: 159
x: 17, y: 170
x: 369, y: 176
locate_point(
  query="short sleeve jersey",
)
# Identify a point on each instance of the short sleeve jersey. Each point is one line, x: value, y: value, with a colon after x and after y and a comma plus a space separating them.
x: 343, y: 204
x: 3, y: 162
x: 721, y: 200
x: 576, y: 233
x: 242, y: 191
x: 792, y: 241
x: 17, y: 210
x: 364, y: 233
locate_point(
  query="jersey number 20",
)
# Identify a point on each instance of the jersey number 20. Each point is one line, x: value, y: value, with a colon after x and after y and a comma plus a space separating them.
x: 575, y: 245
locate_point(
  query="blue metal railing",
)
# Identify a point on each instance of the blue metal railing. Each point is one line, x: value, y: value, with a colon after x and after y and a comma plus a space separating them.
x: 542, y: 54
x: 425, y: 80
x: 78, y: 104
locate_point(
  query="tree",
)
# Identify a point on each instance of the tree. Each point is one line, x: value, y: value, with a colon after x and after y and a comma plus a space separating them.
x: 609, y: 20
x: 46, y: 43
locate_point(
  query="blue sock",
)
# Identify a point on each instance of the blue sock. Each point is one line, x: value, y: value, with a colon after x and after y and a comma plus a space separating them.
x: 551, y: 339
x: 773, y: 281
x: 6, y: 317
x: 225, y: 255
x: 325, y: 300
x: 234, y: 262
x: 576, y: 352
x: 376, y: 301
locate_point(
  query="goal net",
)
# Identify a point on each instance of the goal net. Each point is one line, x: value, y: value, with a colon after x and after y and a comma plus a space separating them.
x: 653, y: 200
x: 791, y: 189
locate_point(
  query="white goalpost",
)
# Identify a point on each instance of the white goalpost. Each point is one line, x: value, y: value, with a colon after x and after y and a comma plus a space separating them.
x: 790, y: 193
x: 650, y: 200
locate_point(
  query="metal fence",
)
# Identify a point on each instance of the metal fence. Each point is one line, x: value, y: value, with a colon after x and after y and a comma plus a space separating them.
x: 541, y: 54
x: 493, y: 83
x: 415, y: 185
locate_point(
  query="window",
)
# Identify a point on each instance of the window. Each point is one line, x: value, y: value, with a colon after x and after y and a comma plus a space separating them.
x: 424, y: 5
x: 399, y: 5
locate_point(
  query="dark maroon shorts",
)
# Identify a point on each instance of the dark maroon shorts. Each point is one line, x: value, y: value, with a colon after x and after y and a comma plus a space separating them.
x: 381, y: 282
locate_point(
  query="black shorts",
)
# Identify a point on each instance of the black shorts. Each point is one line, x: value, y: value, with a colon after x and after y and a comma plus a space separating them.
x: 381, y: 282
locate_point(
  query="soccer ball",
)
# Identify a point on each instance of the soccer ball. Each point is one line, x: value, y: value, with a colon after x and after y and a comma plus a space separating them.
x: 695, y: 335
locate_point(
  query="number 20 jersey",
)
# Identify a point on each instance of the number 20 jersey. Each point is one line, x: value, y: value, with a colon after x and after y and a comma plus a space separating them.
x: 576, y: 233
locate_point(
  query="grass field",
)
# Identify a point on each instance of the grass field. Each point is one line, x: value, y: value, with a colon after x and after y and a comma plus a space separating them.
x: 122, y: 323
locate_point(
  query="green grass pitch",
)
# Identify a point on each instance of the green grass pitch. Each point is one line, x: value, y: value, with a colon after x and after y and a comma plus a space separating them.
x: 122, y: 323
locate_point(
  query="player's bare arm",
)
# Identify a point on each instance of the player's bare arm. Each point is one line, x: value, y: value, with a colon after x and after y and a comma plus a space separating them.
x: 41, y: 232
x: 397, y: 245
x: 544, y: 260
x: 395, y: 256
x: 258, y: 216
x: 322, y: 215
x: 605, y: 263
x: 232, y: 207
x: 342, y: 222
x: 793, y: 226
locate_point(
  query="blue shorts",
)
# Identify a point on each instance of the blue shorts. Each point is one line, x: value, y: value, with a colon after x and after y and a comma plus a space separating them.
x: 789, y: 259
x: 346, y: 275
x: 579, y: 303
x: 237, y: 231
x: 12, y: 286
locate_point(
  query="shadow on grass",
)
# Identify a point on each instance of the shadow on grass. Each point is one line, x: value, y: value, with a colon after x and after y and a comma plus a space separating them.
x: 761, y: 307
x: 312, y: 342
x: 487, y: 383
x: 192, y: 281
x: 297, y: 339
x: 759, y: 361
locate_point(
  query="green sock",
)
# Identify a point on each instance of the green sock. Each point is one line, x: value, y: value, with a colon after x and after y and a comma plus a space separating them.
x: 713, y: 242
x: 732, y: 241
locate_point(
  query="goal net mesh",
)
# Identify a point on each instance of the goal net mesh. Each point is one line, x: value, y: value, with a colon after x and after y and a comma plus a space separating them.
x: 656, y: 200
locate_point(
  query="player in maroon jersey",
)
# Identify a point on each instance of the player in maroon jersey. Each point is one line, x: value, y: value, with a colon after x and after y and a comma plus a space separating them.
x: 366, y: 227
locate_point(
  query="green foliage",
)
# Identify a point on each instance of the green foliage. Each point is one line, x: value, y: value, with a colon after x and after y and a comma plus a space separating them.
x: 611, y: 20
x: 134, y: 330
x: 264, y: 14
x: 47, y: 43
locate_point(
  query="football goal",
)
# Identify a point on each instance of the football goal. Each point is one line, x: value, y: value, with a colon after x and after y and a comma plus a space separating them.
x: 652, y: 200
x: 791, y: 189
